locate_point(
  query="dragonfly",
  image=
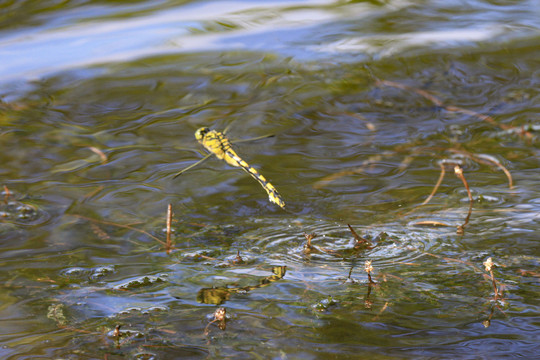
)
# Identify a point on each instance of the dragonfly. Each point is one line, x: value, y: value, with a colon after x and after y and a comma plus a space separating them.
x: 217, y: 144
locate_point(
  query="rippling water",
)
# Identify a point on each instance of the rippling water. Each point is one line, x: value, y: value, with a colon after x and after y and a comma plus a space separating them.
x: 99, y: 103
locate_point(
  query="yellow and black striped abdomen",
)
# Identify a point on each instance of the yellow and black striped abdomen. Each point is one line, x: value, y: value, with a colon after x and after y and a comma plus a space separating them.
x: 216, y: 143
x: 232, y: 158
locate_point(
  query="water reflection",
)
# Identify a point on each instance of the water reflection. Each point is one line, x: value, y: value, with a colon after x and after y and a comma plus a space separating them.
x: 92, y: 34
x: 218, y: 296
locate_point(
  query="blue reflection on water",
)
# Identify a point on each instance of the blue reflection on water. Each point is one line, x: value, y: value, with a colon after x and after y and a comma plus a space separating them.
x: 90, y: 35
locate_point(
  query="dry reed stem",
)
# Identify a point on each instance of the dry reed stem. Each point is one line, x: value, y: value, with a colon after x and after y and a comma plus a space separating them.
x: 100, y: 153
x: 494, y: 285
x: 480, y: 116
x: 455, y: 260
x: 430, y: 223
x: 524, y: 272
x: 7, y: 193
x: 459, y: 172
x: 439, y: 181
x: 420, y: 92
x: 237, y: 259
x: 350, y: 273
x: 120, y: 226
x: 385, y: 306
x: 451, y: 108
x: 168, y: 243
x: 309, y: 247
x: 488, y: 265
x: 359, y: 240
x: 70, y: 328
x: 471, y: 265
x: 507, y: 173
x: 484, y: 159
x: 116, y: 332
x: 333, y: 177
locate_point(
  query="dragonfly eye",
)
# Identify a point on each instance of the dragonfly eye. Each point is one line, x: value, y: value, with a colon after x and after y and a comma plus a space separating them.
x: 199, y: 134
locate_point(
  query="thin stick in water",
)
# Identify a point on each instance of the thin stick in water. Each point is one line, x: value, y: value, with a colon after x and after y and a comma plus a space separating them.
x: 6, y: 194
x: 168, y: 243
x: 441, y: 177
x: 459, y: 172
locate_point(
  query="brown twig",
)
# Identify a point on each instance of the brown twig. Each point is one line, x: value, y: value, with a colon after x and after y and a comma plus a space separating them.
x: 100, y: 153
x: 488, y: 265
x: 430, y: 223
x: 480, y: 116
x: 475, y: 268
x: 487, y: 160
x: 367, y: 301
x: 381, y: 311
x: 333, y: 177
x: 350, y: 274
x: 238, y: 259
x: 459, y: 172
x: 120, y: 226
x: 487, y: 322
x: 116, y: 332
x: 479, y: 158
x: 7, y: 193
x: 360, y: 241
x: 439, y: 181
x: 309, y: 247
x: 435, y: 100
x: 454, y: 260
x: 168, y: 243
x: 420, y: 92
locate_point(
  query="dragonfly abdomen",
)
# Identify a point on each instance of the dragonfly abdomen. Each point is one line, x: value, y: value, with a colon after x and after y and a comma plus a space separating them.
x: 273, y: 195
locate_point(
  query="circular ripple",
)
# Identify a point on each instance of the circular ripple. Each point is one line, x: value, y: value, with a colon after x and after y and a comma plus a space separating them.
x: 391, y: 243
x: 21, y: 213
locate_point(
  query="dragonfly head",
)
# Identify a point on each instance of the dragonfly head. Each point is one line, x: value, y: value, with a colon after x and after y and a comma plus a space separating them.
x: 199, y: 134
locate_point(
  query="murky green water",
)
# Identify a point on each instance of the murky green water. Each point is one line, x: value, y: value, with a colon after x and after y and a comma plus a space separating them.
x: 99, y: 104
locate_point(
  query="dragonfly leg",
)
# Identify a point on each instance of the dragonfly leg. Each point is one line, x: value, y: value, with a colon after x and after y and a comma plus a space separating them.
x: 191, y: 166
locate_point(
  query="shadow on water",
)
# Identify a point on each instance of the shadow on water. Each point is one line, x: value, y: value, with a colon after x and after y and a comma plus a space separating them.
x: 408, y: 172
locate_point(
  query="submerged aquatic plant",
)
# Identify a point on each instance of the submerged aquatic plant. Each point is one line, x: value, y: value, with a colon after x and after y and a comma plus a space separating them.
x: 219, y: 317
x: 488, y: 265
x: 368, y: 268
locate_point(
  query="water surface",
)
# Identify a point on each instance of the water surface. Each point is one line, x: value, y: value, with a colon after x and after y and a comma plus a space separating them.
x: 100, y: 101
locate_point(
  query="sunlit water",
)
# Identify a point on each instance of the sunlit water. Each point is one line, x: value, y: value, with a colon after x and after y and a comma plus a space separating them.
x: 99, y: 105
